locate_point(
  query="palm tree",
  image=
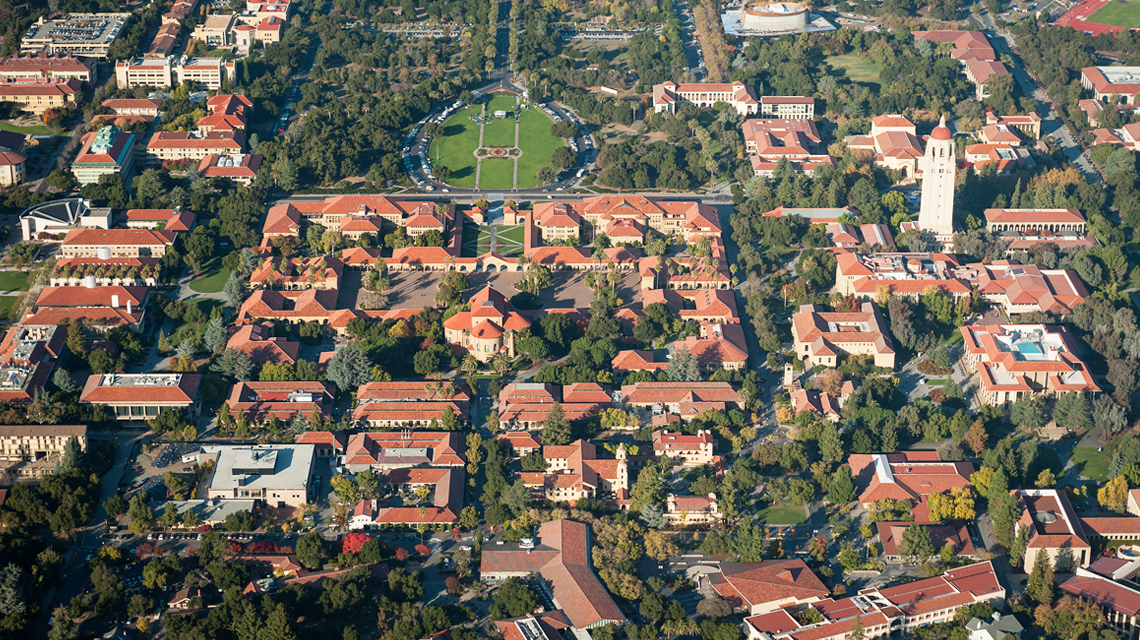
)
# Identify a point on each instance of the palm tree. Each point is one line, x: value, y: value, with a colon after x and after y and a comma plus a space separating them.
x: 501, y: 363
x: 470, y: 364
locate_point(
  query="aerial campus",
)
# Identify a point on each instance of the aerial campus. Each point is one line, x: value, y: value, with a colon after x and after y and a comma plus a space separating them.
x: 569, y: 320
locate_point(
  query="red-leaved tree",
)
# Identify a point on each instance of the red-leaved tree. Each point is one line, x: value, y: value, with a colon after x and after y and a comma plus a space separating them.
x: 402, y: 554
x: 353, y: 543
x: 454, y: 587
x: 423, y: 550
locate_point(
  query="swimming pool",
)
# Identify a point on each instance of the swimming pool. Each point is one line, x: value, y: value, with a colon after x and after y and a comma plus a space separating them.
x: 1029, y: 347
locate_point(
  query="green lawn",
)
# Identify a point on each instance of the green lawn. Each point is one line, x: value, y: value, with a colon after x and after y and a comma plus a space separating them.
x: 499, y: 132
x: 513, y: 233
x: 214, y: 276
x: 497, y: 174
x: 780, y: 513
x: 857, y: 68
x: 536, y: 145
x: 1091, y: 463
x: 182, y: 328
x: 476, y: 241
x: 14, y: 281
x: 1117, y: 14
x: 455, y: 147
x: 35, y: 130
x: 6, y: 304
x: 219, y: 53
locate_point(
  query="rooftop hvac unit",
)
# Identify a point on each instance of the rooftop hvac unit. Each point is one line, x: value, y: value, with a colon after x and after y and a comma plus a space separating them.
x: 89, y: 282
x: 104, y: 253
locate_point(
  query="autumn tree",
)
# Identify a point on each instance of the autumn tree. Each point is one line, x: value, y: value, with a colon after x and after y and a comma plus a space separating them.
x: 1114, y: 495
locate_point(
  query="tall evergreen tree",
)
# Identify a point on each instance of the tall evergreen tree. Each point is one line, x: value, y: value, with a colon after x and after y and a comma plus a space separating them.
x: 556, y: 428
x: 1039, y: 588
x: 841, y: 490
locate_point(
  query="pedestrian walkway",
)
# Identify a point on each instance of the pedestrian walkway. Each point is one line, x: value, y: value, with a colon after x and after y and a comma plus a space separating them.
x: 479, y: 161
x: 515, y: 179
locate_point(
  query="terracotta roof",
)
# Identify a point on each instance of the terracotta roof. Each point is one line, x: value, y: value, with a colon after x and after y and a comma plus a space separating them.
x: 97, y: 297
x: 1105, y: 593
x: 562, y: 559
x: 772, y: 581
x: 118, y: 237
x: 101, y: 389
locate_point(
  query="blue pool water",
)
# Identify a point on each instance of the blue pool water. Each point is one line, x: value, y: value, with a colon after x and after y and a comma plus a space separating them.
x: 1029, y: 347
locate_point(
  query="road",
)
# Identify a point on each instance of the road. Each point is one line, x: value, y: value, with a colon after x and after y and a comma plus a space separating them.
x: 1051, y: 124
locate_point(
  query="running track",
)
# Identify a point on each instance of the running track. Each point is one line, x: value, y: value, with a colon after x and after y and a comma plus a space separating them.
x: 1076, y: 18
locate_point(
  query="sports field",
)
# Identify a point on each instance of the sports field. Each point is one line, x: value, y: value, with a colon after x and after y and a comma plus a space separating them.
x: 455, y: 147
x: 536, y: 144
x: 856, y: 68
x: 1120, y: 13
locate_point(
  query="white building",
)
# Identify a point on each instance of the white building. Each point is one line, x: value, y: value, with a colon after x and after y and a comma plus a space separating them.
x: 279, y: 475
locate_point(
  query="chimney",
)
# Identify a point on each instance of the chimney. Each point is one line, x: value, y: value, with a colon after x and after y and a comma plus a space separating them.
x: 115, y: 302
x: 128, y: 307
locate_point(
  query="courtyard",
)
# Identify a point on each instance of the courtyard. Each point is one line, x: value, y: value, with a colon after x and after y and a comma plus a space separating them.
x: 504, y: 240
x: 416, y: 289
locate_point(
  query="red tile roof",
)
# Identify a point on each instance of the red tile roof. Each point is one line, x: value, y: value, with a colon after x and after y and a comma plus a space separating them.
x: 118, y: 237
x: 562, y: 559
x: 99, y: 389
x: 1105, y: 593
x: 770, y: 581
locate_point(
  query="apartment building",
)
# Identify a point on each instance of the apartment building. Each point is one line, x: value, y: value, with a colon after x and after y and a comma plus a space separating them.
x: 39, y: 441
x: 1012, y: 361
x: 172, y: 146
x: 208, y: 73
x: 42, y: 65
x: 788, y: 107
x: 668, y: 95
x: 40, y: 94
x: 107, y: 151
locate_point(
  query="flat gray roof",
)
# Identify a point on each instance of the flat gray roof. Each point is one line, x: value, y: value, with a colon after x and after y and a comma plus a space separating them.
x: 292, y: 466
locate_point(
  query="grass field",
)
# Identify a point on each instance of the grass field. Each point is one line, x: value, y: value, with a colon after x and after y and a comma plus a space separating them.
x: 455, y: 147
x: 182, y: 329
x: 37, y: 130
x: 857, y: 68
x: 536, y: 145
x: 6, y: 304
x: 476, y: 241
x: 499, y: 132
x: 1091, y: 463
x: 516, y: 233
x: 214, y: 276
x: 1117, y: 14
x: 781, y: 513
x: 497, y: 174
x: 14, y: 281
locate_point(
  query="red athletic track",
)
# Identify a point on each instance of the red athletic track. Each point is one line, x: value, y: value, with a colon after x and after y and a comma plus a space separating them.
x: 1076, y: 18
